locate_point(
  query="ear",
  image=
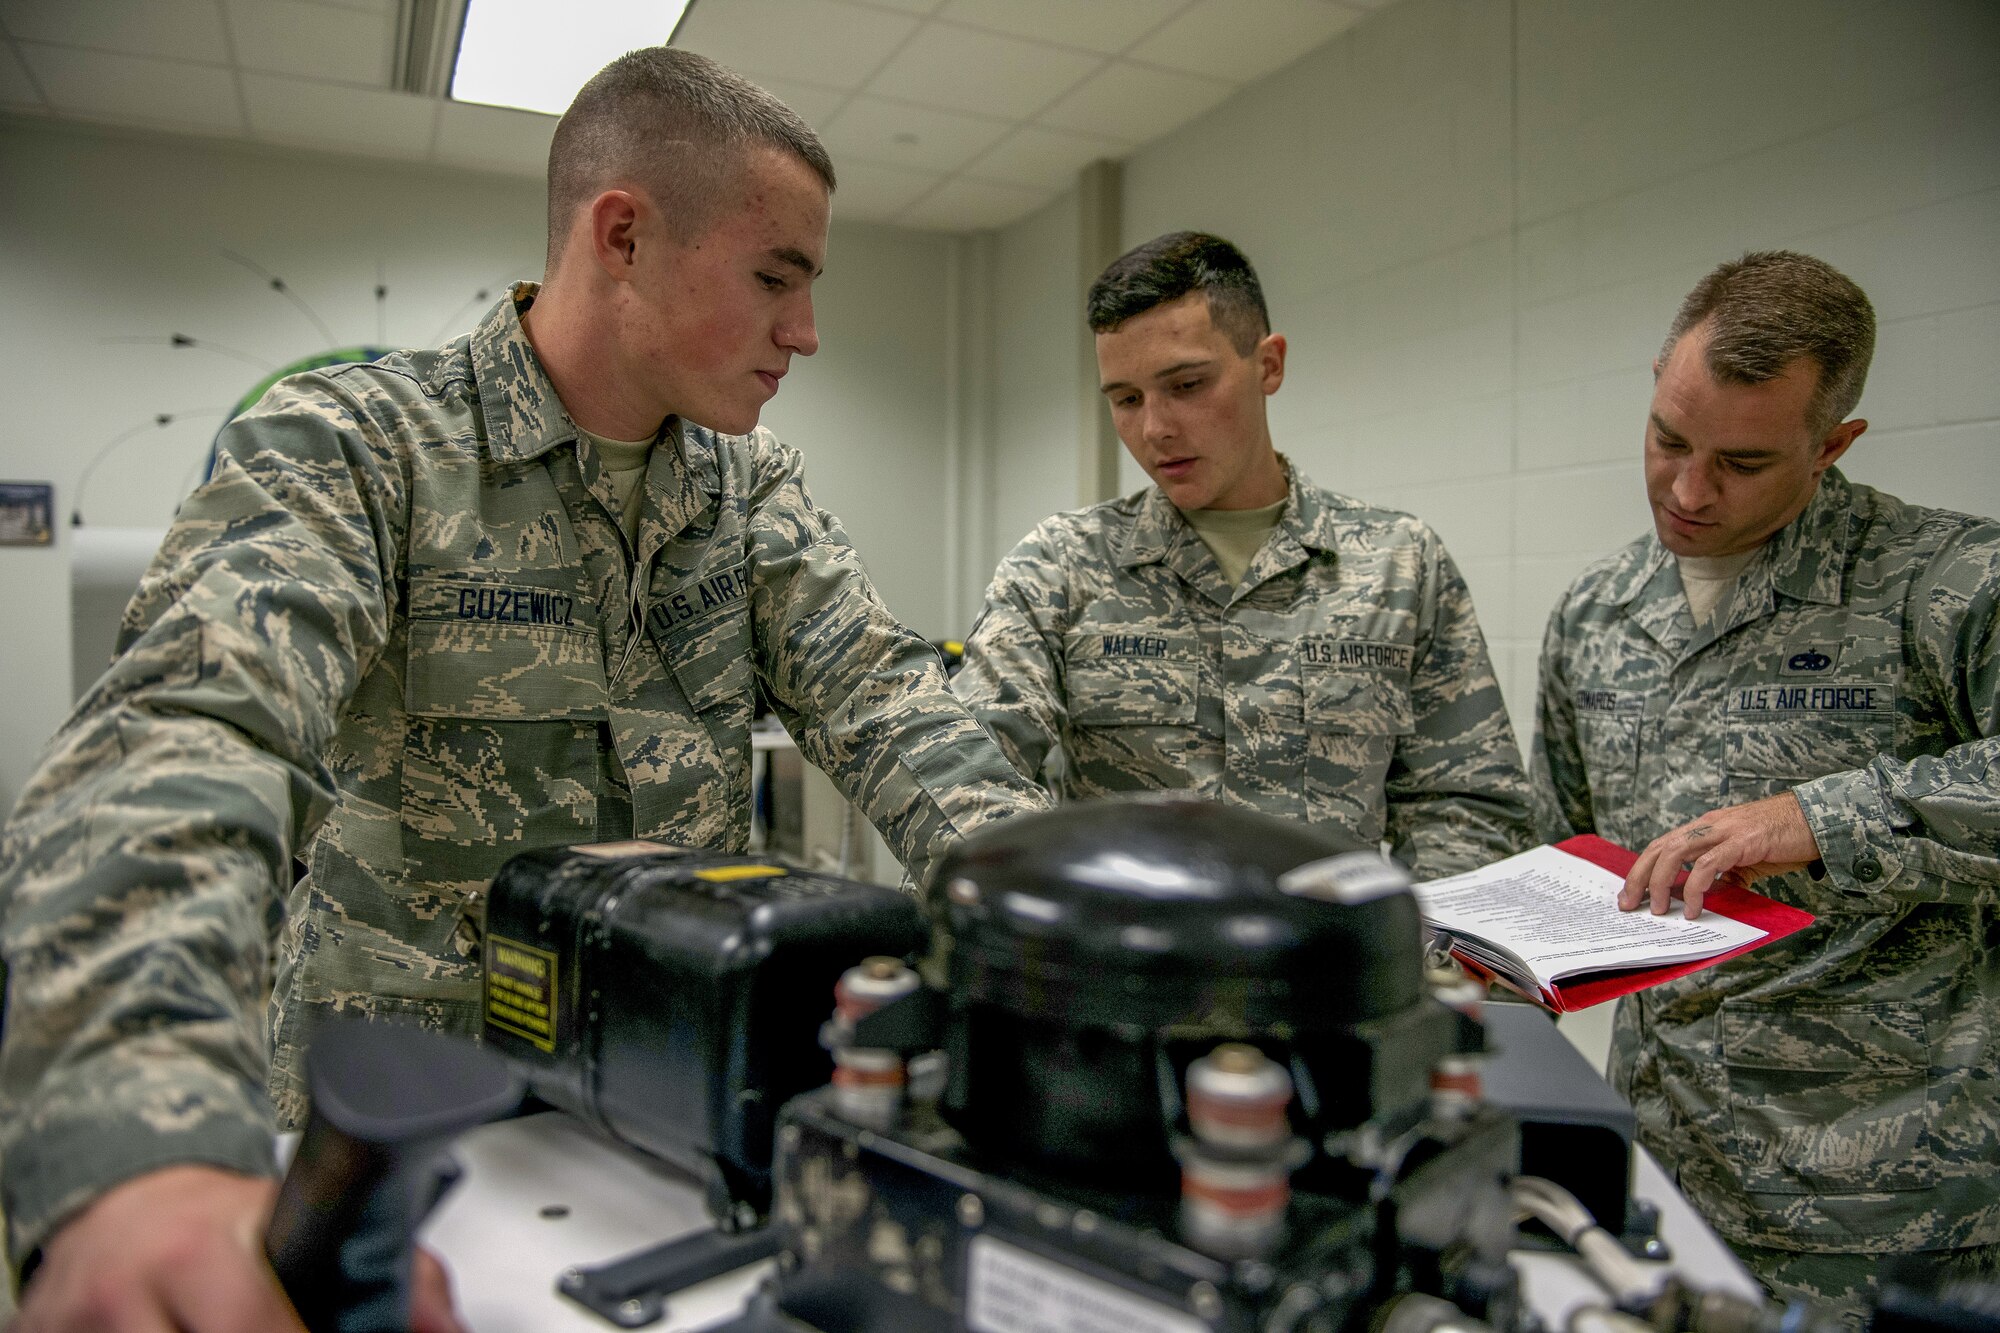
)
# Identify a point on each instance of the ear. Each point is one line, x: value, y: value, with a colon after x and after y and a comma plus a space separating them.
x: 1270, y: 354
x: 613, y: 219
x: 1836, y: 442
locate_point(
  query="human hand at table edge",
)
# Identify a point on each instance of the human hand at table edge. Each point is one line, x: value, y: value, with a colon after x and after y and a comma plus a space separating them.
x: 1737, y: 844
x: 183, y: 1248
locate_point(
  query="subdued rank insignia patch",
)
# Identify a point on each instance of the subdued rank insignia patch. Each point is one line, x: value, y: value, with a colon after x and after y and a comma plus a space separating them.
x: 1808, y: 662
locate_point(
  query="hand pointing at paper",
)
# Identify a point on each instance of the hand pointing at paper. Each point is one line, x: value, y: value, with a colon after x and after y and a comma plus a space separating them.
x: 1738, y: 843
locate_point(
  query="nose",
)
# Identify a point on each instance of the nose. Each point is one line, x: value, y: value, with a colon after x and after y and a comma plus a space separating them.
x: 1156, y: 422
x: 796, y: 332
x: 1694, y: 488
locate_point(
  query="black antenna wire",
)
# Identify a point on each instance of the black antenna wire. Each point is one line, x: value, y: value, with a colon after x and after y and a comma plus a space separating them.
x: 158, y: 422
x: 479, y: 298
x: 278, y: 286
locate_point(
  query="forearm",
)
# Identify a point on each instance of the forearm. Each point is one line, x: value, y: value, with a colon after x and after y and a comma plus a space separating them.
x: 138, y: 897
x: 1011, y: 683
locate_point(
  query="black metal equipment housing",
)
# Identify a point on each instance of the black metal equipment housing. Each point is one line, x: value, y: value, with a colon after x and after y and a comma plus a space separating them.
x: 1097, y: 949
x: 672, y: 999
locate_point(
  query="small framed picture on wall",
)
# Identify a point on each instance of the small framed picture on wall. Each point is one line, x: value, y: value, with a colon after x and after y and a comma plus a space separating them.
x: 27, y: 513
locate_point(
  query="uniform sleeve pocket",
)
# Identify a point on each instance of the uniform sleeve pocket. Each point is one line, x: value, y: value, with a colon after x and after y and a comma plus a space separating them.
x: 1829, y: 1099
x: 1142, y: 677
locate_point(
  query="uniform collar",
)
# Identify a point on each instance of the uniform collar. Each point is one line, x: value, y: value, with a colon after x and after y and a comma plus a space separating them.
x: 1803, y: 560
x: 1806, y: 559
x: 1307, y: 523
x: 525, y: 418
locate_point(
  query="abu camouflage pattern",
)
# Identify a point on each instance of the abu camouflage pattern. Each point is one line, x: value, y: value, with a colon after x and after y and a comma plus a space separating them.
x: 1344, y: 681
x: 1839, y: 1090
x: 396, y: 636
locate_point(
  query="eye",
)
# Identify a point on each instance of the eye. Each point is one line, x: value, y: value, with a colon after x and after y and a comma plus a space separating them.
x: 1188, y: 386
x: 1124, y: 399
x: 1741, y: 468
x: 773, y: 282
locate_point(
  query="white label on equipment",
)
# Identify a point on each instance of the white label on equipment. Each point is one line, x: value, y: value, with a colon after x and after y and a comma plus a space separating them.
x: 1009, y: 1290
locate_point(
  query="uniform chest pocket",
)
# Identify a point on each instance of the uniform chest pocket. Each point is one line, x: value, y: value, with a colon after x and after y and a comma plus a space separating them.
x: 1608, y: 723
x: 503, y: 673
x: 1777, y: 737
x: 1131, y: 678
x: 1828, y: 1099
x: 1353, y: 720
x: 500, y: 746
x: 711, y: 662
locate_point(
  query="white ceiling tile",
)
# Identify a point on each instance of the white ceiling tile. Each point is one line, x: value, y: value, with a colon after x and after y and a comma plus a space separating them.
x: 963, y: 205
x: 907, y: 6
x: 313, y: 41
x: 904, y: 135
x: 99, y: 85
x: 872, y: 193
x: 493, y: 138
x: 817, y: 41
x: 16, y: 88
x: 1136, y: 103
x: 1042, y: 159
x: 1107, y: 26
x: 981, y: 72
x: 810, y: 100
x: 172, y: 29
x: 351, y: 120
x: 1243, y: 39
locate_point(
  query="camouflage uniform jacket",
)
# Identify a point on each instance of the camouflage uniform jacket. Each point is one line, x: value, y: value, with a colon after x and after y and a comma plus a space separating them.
x: 1344, y: 681
x: 397, y: 635
x: 1838, y: 1090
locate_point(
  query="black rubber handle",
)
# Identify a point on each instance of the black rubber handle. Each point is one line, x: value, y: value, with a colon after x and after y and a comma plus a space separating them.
x: 386, y: 1103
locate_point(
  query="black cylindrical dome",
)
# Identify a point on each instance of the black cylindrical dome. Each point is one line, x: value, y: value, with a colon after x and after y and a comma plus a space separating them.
x: 1158, y: 909
x: 1098, y: 948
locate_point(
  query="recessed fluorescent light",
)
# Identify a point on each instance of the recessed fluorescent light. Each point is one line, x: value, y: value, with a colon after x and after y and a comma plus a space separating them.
x: 535, y: 54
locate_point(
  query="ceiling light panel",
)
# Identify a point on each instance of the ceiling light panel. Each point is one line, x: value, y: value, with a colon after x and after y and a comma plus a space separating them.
x: 533, y: 56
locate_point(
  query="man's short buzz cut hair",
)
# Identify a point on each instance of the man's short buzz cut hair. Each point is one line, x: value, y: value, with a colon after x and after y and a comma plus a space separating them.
x: 1771, y: 307
x: 675, y: 122
x: 1167, y: 268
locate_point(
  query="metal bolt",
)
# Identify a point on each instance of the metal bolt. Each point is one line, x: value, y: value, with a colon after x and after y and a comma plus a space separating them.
x: 631, y: 1309
x: 788, y: 1137
x: 787, y: 1261
x: 970, y: 1210
x: 1085, y: 1221
x: 1205, y: 1301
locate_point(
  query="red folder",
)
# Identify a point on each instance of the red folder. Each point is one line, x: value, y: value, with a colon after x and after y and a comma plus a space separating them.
x: 1775, y: 919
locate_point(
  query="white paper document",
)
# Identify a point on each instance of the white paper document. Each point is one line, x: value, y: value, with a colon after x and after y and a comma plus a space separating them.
x: 1545, y: 915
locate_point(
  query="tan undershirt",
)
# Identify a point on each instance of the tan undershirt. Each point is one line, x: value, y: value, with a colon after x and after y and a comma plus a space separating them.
x: 1709, y: 579
x: 1234, y: 536
x: 624, y: 462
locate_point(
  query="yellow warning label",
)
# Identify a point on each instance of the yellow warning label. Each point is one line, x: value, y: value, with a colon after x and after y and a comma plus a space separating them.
x: 521, y: 990
x: 725, y: 874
